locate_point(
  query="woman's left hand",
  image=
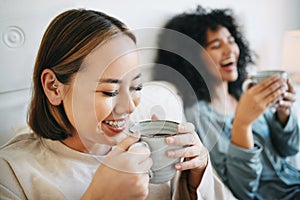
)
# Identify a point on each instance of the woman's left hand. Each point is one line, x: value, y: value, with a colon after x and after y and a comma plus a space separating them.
x: 285, y: 104
x: 194, y: 153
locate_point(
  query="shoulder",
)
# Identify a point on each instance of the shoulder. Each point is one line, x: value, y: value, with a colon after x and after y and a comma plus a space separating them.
x: 201, y: 108
x: 19, y: 145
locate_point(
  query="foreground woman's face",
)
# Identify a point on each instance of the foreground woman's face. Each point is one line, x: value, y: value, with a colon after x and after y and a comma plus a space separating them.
x: 105, y: 92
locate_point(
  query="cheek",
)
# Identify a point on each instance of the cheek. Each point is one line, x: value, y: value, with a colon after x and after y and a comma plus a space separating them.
x: 212, y: 56
x: 215, y: 57
x: 237, y: 50
x: 103, y: 108
x: 136, y: 98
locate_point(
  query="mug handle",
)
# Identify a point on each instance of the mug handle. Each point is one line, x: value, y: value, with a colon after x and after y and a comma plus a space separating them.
x: 142, y: 144
x: 247, y: 84
x: 139, y: 144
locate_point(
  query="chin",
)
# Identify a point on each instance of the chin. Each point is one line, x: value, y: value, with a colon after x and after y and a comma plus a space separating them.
x: 233, y: 79
x: 114, y: 140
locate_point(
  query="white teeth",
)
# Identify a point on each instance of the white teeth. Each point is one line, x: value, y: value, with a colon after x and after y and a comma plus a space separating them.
x: 228, y: 60
x: 116, y: 124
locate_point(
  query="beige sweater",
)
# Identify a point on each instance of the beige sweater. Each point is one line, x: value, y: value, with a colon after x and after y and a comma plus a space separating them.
x: 34, y: 168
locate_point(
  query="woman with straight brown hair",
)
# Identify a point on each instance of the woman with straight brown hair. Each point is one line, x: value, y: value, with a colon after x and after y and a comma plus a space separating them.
x: 86, y: 83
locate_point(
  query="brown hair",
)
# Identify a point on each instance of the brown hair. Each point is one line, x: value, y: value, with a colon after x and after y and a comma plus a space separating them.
x: 69, y: 38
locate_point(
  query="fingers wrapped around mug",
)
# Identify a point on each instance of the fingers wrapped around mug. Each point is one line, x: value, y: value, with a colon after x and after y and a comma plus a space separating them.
x: 286, y: 102
x: 259, y: 98
x: 126, y: 167
x: 129, y: 156
x: 288, y: 98
x: 194, y: 153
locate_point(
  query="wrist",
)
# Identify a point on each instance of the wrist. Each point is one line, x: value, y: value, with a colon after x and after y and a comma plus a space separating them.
x: 242, y: 136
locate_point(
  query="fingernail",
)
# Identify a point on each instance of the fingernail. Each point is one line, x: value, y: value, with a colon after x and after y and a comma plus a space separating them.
x: 177, y: 166
x: 181, y: 127
x: 136, y: 134
x: 170, y: 140
x: 170, y: 153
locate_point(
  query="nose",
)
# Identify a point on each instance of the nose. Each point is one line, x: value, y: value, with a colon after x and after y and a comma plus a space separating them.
x: 126, y: 103
x: 228, y: 48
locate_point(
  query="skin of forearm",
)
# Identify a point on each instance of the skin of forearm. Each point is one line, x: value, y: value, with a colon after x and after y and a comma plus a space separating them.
x: 242, y: 135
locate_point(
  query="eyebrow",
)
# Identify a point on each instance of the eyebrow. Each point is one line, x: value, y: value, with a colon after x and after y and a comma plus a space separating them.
x: 116, y: 81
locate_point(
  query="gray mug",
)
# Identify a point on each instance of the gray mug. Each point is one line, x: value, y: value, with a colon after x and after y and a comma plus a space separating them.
x: 153, y: 134
x: 260, y: 76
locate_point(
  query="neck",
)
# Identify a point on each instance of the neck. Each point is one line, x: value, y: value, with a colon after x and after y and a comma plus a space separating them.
x: 219, y: 93
x: 221, y: 100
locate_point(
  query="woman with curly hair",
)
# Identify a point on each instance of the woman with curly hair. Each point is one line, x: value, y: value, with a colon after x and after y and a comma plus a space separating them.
x: 248, y: 142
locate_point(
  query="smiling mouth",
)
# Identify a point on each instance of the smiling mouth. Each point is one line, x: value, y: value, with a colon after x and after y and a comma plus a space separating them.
x: 115, y: 123
x: 228, y: 62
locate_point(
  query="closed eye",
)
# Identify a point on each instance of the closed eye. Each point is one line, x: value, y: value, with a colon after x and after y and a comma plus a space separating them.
x: 214, y: 45
x: 111, y: 94
x: 137, y: 88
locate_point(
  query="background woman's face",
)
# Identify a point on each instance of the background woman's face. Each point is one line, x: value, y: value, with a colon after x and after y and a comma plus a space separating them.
x: 224, y: 52
x: 105, y: 91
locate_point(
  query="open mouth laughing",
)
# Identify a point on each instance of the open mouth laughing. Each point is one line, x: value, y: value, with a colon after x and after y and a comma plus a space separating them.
x: 228, y: 62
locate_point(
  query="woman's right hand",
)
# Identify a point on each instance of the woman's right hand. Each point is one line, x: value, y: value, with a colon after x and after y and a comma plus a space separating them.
x: 257, y: 99
x: 123, y: 174
x: 253, y: 103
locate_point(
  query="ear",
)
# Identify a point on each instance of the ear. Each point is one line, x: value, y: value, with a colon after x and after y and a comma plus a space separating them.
x: 51, y: 87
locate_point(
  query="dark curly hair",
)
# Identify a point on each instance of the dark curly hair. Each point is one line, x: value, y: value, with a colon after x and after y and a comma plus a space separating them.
x: 195, y: 26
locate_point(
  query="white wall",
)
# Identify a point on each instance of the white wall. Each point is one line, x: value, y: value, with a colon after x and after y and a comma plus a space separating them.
x: 22, y: 24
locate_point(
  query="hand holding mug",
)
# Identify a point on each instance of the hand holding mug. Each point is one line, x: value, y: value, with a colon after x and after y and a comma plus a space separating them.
x: 194, y: 153
x: 169, y: 143
x: 125, y: 170
x: 285, y: 104
x: 260, y: 76
x: 154, y: 134
x: 258, y: 98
